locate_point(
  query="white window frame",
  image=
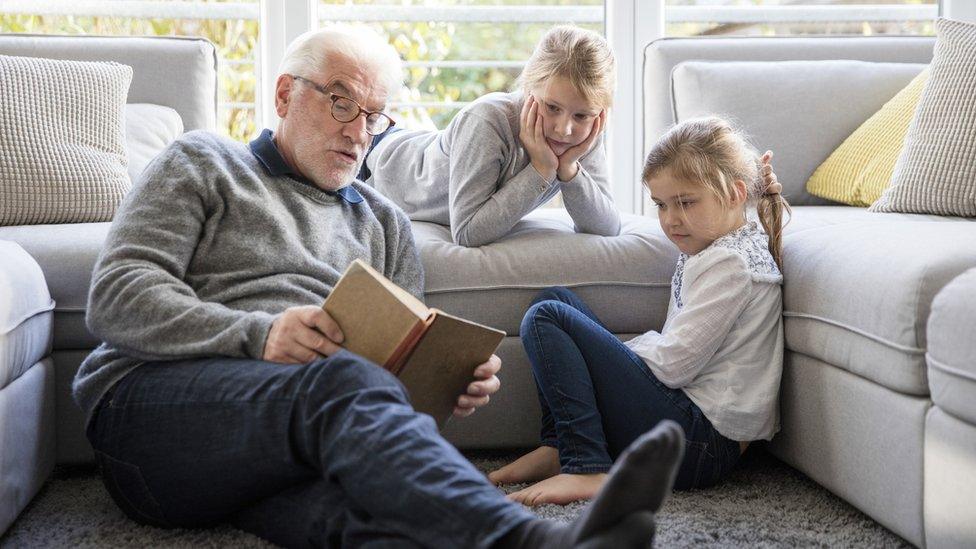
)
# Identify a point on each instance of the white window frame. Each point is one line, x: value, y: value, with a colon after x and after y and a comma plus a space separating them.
x: 631, y: 25
x: 279, y: 22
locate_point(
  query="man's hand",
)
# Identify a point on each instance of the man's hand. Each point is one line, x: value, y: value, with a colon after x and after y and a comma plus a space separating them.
x: 479, y: 392
x: 531, y: 135
x: 569, y: 160
x: 300, y: 335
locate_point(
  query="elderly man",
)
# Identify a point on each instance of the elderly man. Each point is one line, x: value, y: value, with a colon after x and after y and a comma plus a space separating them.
x: 221, y: 392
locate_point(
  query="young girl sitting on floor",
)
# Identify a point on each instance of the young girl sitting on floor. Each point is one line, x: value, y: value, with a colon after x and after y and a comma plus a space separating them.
x: 714, y: 368
x: 506, y: 154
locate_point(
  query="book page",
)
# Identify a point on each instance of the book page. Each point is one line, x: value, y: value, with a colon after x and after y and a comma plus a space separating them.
x: 442, y: 365
x: 418, y: 307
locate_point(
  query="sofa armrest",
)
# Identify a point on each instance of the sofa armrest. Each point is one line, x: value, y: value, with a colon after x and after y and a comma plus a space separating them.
x: 951, y: 354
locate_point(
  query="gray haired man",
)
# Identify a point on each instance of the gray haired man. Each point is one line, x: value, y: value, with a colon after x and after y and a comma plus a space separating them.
x: 221, y: 393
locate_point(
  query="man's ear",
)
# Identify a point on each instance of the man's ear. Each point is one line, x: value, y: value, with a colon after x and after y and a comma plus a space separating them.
x: 283, y: 89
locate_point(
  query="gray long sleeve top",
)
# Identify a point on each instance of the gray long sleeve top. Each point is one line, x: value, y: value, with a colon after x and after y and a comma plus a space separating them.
x: 212, y: 242
x: 476, y: 176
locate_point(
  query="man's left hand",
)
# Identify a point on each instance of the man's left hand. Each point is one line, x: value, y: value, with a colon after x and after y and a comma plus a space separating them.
x: 480, y: 391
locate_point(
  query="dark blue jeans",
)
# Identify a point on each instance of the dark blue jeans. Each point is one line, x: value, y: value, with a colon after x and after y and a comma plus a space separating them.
x: 326, y: 454
x: 597, y: 396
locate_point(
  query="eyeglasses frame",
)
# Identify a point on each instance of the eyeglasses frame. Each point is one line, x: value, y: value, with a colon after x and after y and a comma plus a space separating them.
x: 333, y: 97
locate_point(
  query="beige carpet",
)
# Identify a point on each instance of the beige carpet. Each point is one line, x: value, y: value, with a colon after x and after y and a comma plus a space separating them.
x: 764, y: 504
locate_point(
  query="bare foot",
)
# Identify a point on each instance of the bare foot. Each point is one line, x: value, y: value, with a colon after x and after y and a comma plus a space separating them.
x: 560, y: 489
x: 539, y: 464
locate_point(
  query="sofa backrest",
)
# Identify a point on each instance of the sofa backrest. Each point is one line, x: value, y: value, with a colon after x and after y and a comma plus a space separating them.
x: 800, y: 106
x: 180, y: 73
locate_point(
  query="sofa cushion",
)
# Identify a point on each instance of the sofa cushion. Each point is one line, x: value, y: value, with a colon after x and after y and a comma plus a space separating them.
x: 66, y: 255
x: 951, y: 352
x: 936, y: 172
x: 62, y: 131
x: 813, y: 217
x: 857, y: 293
x: 25, y: 317
x: 148, y: 130
x: 625, y: 279
x: 781, y: 105
x: 858, y: 171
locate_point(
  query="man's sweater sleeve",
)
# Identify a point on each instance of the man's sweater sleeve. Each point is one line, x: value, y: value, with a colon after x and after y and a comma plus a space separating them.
x: 139, y: 302
x: 587, y: 196
x: 481, y: 211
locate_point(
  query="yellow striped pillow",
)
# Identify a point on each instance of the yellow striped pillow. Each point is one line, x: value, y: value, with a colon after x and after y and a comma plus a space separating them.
x: 859, y: 170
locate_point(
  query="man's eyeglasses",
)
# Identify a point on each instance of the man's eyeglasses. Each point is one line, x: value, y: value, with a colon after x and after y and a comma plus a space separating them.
x: 346, y: 110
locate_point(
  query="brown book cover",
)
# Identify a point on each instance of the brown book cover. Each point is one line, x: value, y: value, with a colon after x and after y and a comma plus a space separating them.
x: 433, y: 353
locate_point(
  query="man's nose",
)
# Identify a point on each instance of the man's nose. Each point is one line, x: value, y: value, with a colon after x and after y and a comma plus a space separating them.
x: 355, y: 129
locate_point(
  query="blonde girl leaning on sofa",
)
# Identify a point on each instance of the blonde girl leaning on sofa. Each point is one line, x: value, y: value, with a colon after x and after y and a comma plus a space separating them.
x: 714, y: 368
x: 506, y: 154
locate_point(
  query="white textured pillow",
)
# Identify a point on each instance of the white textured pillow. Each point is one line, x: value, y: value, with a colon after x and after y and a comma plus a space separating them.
x: 62, y: 140
x: 936, y: 172
x: 148, y: 130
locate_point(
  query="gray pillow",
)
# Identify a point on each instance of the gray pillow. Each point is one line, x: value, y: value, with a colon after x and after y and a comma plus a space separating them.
x: 936, y: 172
x: 62, y: 140
x: 148, y: 130
x: 802, y: 110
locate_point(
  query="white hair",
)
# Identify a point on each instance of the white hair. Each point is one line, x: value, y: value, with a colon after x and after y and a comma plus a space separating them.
x: 308, y: 53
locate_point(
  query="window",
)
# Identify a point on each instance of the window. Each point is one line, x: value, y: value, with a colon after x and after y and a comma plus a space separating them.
x: 458, y: 50
x: 787, y: 17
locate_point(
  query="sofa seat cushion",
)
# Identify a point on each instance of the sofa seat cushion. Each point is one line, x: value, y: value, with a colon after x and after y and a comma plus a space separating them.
x: 951, y: 352
x: 814, y: 217
x: 66, y: 254
x: 857, y: 293
x: 25, y: 317
x: 625, y: 279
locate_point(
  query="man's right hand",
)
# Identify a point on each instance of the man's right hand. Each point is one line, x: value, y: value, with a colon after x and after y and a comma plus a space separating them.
x: 300, y: 335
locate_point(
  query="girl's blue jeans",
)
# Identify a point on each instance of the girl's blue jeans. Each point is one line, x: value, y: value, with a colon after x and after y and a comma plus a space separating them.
x: 598, y: 396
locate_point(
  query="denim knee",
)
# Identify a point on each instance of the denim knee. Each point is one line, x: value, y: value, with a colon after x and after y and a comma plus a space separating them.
x: 549, y: 309
x: 554, y: 293
x: 345, y: 372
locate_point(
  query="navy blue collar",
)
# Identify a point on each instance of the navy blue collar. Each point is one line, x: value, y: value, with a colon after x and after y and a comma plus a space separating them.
x: 265, y: 150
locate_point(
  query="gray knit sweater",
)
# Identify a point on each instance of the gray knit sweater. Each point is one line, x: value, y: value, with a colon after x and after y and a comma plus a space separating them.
x: 476, y: 176
x: 209, y: 246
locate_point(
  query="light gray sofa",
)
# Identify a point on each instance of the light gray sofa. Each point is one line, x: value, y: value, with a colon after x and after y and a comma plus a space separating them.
x: 861, y: 413
x: 27, y: 422
x: 856, y: 393
x: 41, y: 348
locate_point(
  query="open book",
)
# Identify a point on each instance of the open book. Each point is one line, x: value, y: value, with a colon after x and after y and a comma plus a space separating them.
x: 433, y: 353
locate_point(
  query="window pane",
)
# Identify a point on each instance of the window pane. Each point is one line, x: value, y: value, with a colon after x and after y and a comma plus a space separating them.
x: 454, y: 54
x: 788, y: 17
x: 235, y: 39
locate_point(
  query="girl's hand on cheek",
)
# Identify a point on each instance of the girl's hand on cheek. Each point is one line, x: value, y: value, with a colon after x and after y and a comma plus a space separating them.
x: 569, y: 160
x: 530, y: 134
